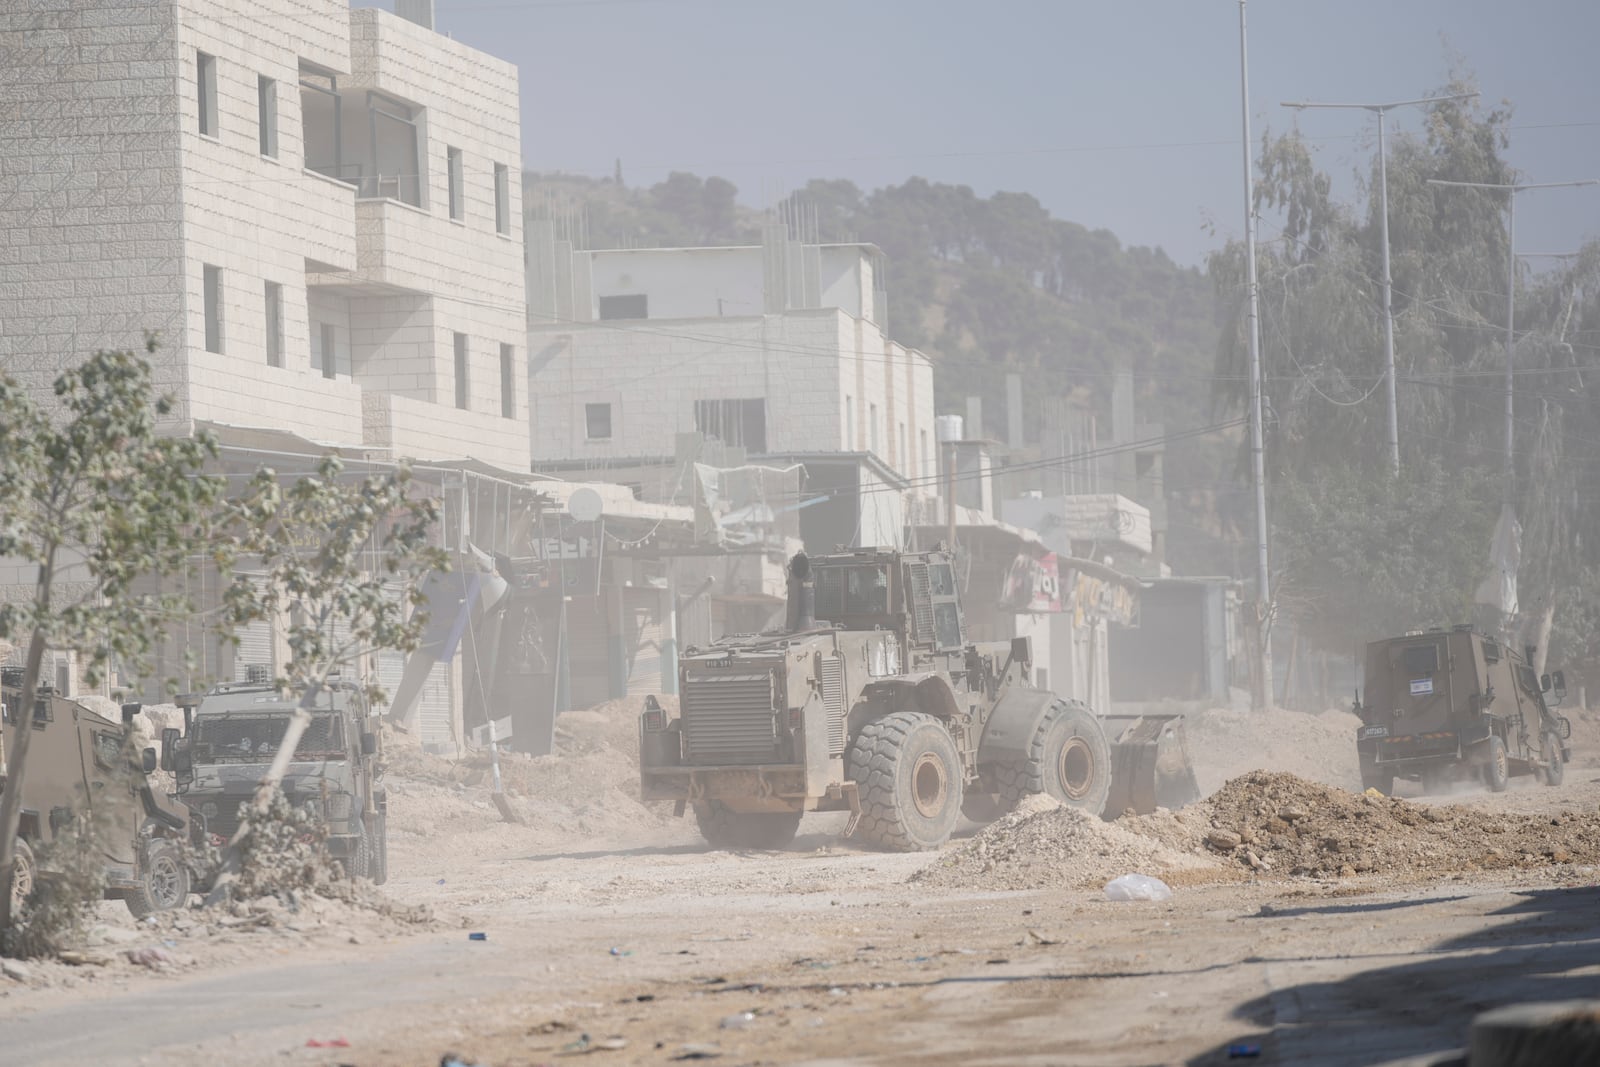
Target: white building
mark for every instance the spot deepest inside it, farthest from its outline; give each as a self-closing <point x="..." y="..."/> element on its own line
<point x="317" y="209"/>
<point x="776" y="350"/>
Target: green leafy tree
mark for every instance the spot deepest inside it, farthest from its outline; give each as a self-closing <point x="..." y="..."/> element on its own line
<point x="93" y="500"/>
<point x="342" y="560"/>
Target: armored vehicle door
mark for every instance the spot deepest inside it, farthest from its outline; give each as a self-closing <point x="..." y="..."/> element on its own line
<point x="1418" y="684"/>
<point x="102" y="749"/>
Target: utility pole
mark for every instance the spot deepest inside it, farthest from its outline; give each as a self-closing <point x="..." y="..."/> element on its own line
<point x="1383" y="229"/>
<point x="1262" y="696"/>
<point x="1511" y="189"/>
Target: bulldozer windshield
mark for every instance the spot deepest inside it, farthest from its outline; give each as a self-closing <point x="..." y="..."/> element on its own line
<point x="857" y="589"/>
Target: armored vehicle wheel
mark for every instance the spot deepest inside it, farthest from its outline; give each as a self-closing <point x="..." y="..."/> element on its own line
<point x="165" y="884"/>
<point x="1550" y="753"/>
<point x="22" y="876"/>
<point x="379" y="867"/>
<point x="909" y="774"/>
<point x="724" y="828"/>
<point x="1497" y="769"/>
<point x="359" y="865"/>
<point x="1068" y="759"/>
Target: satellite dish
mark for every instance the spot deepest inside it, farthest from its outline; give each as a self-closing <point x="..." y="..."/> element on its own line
<point x="585" y="505"/>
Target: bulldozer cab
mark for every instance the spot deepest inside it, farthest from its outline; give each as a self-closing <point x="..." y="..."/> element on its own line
<point x="913" y="594"/>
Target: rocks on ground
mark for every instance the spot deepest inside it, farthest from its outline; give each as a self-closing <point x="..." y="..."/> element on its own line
<point x="1278" y="824"/>
<point x="1044" y="845"/>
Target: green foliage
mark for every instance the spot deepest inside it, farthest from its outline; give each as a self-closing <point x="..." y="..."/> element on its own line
<point x="94" y="499"/>
<point x="1364" y="558"/>
<point x="1322" y="355"/>
<point x="92" y="486"/>
<point x="342" y="559"/>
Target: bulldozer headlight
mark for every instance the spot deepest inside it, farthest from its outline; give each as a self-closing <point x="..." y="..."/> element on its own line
<point x="654" y="720"/>
<point x="797" y="718"/>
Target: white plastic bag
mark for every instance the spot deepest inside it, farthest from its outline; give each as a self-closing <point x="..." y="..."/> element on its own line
<point x="1137" y="887"/>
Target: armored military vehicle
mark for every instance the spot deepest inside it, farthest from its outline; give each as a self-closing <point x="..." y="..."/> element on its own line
<point x="230" y="737"/>
<point x="81" y="766"/>
<point x="1442" y="705"/>
<point x="871" y="701"/>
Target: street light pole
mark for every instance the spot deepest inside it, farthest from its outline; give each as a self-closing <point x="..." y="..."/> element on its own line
<point x="1393" y="440"/>
<point x="1263" y="697"/>
<point x="1511" y="189"/>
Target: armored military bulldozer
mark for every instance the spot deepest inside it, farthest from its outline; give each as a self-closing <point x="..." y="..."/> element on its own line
<point x="1446" y="705"/>
<point x="873" y="701"/>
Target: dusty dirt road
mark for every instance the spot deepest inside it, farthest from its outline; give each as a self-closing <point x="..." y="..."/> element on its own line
<point x="625" y="944"/>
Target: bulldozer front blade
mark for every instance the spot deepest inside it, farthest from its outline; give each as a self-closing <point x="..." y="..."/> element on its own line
<point x="1150" y="765"/>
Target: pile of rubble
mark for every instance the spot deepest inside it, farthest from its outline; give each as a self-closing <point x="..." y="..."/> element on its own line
<point x="1278" y="824"/>
<point x="587" y="789"/>
<point x="1225" y="743"/>
<point x="1044" y="845"/>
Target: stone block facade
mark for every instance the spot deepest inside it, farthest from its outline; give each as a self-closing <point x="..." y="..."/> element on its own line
<point x="268" y="186"/>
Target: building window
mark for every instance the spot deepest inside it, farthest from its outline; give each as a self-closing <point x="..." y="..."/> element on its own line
<point x="461" y="372"/>
<point x="206" y="73"/>
<point x="508" y="382"/>
<point x="903" y="459"/>
<point x="872" y="428"/>
<point x="329" y="338"/>
<point x="274" y="324"/>
<point x="213" y="302"/>
<point x="458" y="207"/>
<point x="849" y="424"/>
<point x="502" y="198"/>
<point x="922" y="453"/>
<point x="321" y="123"/>
<point x="740" y="423"/>
<point x="625" y="306"/>
<point x="597" y="421"/>
<point x="267" y="108"/>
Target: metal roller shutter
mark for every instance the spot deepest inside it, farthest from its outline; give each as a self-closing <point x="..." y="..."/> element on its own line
<point x="255" y="643"/>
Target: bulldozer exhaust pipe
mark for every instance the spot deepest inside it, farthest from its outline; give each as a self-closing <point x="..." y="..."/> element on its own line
<point x="802" y="605"/>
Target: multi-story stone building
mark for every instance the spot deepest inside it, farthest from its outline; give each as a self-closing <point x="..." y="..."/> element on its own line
<point x="778" y="351"/>
<point x="316" y="208"/>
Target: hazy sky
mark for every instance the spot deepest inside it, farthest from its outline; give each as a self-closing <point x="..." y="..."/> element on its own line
<point x="1121" y="114"/>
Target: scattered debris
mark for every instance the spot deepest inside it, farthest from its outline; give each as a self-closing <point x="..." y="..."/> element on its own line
<point x="1137" y="887"/>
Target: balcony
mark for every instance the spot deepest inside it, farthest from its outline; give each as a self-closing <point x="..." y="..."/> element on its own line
<point x="421" y="430"/>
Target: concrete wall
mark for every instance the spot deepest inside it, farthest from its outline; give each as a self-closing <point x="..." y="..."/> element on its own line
<point x="652" y="375"/>
<point x="678" y="283"/>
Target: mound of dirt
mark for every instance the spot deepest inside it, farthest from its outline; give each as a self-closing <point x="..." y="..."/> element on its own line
<point x="1275" y="823"/>
<point x="588" y="788"/>
<point x="1043" y="845"/>
<point x="1224" y="744"/>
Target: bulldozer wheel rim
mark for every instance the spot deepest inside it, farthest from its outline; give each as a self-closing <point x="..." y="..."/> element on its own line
<point x="929" y="785"/>
<point x="1075" y="768"/>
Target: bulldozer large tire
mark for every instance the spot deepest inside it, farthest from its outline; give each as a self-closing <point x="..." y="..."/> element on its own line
<point x="724" y="828"/>
<point x="1068" y="758"/>
<point x="910" y="779"/>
